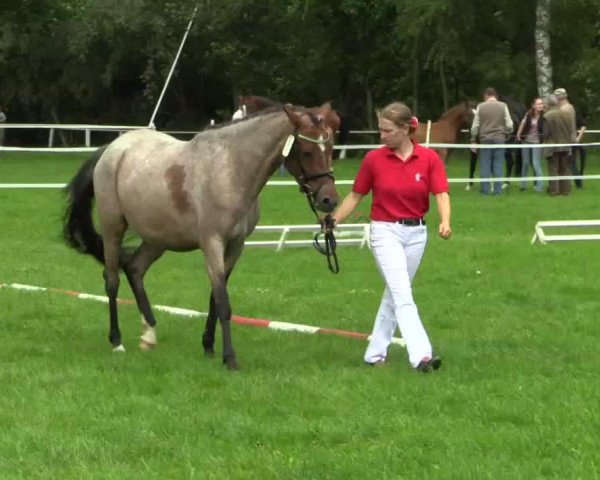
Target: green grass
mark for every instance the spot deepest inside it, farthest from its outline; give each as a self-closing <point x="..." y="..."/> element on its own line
<point x="517" y="326"/>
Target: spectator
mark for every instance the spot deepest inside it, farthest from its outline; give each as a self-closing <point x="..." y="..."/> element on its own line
<point x="563" y="102"/>
<point x="492" y="123"/>
<point x="530" y="132"/>
<point x="559" y="128"/>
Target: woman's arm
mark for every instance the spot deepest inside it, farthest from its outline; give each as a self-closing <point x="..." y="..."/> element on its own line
<point x="443" y="206"/>
<point x="347" y="206"/>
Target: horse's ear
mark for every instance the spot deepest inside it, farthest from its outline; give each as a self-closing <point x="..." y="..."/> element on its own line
<point x="292" y="115"/>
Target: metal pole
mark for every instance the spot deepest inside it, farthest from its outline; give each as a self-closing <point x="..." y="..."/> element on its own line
<point x="162" y="94"/>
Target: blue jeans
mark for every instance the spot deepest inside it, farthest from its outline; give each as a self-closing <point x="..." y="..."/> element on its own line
<point x="492" y="161"/>
<point x="535" y="155"/>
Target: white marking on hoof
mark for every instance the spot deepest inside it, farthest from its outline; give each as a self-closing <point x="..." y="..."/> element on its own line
<point x="119" y="348"/>
<point x="148" y="337"/>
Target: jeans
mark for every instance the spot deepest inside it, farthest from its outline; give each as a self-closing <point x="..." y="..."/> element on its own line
<point x="535" y="155"/>
<point x="492" y="161"/>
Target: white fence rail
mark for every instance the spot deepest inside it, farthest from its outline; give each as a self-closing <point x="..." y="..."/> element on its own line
<point x="88" y="129"/>
<point x="356" y="234"/>
<point x="541" y="236"/>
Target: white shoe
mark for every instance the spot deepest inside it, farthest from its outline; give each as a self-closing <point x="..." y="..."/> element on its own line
<point x="505" y="186"/>
<point x="468" y="187"/>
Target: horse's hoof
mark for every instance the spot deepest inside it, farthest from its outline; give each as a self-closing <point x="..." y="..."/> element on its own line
<point x="119" y="348"/>
<point x="231" y="363"/>
<point x="146" y="346"/>
<point x="209" y="353"/>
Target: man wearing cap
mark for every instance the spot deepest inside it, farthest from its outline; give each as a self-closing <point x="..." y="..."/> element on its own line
<point x="563" y="102"/>
<point x="559" y="128"/>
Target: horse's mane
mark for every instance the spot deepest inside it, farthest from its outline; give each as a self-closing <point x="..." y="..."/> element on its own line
<point x="266" y="111"/>
<point x="258" y="99"/>
<point x="455" y="110"/>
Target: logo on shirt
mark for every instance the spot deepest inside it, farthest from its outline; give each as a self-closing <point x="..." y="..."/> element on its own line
<point x="417" y="177"/>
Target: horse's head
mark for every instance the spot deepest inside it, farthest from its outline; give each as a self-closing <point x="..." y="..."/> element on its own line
<point x="310" y="158"/>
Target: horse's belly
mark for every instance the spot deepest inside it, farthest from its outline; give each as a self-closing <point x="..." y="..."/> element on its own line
<point x="158" y="226"/>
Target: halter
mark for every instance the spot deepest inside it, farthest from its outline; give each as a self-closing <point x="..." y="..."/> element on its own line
<point x="328" y="224"/>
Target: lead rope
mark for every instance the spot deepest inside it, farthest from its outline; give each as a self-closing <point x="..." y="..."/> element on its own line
<point x="330" y="244"/>
<point x="328" y="222"/>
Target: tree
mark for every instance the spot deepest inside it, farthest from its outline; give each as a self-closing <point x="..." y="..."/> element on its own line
<point x="542" y="48"/>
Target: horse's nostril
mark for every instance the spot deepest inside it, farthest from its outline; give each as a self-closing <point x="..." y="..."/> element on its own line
<point x="329" y="203"/>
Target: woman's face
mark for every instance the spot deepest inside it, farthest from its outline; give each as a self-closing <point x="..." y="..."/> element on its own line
<point x="538" y="105"/>
<point x="391" y="134"/>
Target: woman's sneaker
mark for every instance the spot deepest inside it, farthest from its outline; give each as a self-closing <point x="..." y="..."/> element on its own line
<point x="428" y="364"/>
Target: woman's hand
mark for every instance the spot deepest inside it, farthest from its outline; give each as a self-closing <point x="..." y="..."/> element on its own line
<point x="445" y="231"/>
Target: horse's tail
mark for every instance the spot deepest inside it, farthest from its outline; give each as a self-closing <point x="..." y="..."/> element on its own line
<point x="78" y="225"/>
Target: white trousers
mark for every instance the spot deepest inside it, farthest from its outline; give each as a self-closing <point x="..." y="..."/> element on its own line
<point x="398" y="250"/>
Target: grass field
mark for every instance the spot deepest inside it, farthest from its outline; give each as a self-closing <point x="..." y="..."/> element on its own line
<point x="516" y="324"/>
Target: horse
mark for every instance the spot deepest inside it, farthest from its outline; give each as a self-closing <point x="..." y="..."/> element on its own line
<point x="447" y="128"/>
<point x="187" y="195"/>
<point x="249" y="104"/>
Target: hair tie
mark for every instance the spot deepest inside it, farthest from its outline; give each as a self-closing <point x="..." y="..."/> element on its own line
<point x="414" y="122"/>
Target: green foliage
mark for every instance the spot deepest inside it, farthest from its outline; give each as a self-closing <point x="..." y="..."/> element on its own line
<point x="106" y="60"/>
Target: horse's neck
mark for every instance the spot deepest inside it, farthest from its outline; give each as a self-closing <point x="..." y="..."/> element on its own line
<point x="455" y="119"/>
<point x="258" y="143"/>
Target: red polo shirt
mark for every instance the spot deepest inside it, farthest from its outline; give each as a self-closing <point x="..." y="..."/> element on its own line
<point x="400" y="189"/>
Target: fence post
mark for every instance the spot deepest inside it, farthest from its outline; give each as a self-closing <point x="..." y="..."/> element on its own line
<point x="50" y="138"/>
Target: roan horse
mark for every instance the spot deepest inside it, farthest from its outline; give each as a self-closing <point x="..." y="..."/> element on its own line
<point x="447" y="128"/>
<point x="249" y="104"/>
<point x="186" y="195"/>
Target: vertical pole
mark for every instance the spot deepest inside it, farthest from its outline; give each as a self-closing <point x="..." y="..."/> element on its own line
<point x="162" y="94"/>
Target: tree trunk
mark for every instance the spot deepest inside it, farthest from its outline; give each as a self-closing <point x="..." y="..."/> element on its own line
<point x="543" y="63"/>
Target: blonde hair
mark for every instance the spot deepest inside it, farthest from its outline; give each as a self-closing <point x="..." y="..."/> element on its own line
<point x="399" y="114"/>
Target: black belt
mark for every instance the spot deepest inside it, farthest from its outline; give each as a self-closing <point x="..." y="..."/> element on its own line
<point x="411" y="222"/>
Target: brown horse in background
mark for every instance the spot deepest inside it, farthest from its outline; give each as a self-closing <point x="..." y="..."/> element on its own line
<point x="447" y="128"/>
<point x="186" y="195"/>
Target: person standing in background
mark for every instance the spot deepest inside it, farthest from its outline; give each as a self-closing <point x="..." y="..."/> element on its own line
<point x="579" y="124"/>
<point x="530" y="132"/>
<point x="559" y="128"/>
<point x="492" y="123"/>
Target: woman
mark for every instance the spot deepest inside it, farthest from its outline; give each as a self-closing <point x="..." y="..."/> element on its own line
<point x="530" y="132"/>
<point x="401" y="175"/>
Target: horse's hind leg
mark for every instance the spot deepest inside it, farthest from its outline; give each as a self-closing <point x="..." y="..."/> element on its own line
<point x="208" y="337"/>
<point x="232" y="254"/>
<point x="113" y="236"/>
<point x="135" y="268"/>
<point x="219" y="269"/>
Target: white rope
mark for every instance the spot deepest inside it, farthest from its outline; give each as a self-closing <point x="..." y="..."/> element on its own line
<point x="151" y="123"/>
